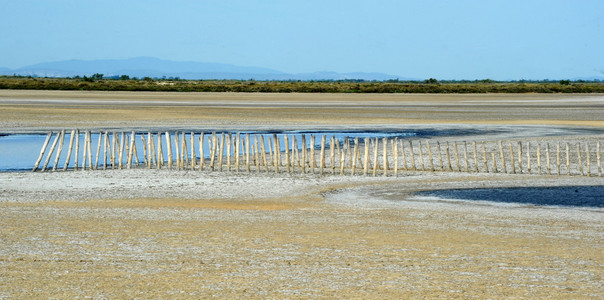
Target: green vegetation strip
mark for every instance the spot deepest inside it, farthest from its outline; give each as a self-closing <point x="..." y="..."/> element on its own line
<point x="347" y="86"/>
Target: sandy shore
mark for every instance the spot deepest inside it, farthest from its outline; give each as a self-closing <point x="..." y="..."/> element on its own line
<point x="188" y="234"/>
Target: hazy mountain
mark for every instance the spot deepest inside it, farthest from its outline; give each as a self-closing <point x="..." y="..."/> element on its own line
<point x="157" y="68"/>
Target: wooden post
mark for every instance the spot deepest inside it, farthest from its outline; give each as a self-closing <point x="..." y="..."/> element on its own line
<point x="121" y="150"/>
<point x="193" y="158"/>
<point x="332" y="153"/>
<point x="184" y="153"/>
<point x="579" y="158"/>
<point x="505" y="170"/>
<point x="528" y="157"/>
<point x="160" y="151"/>
<point x="152" y="151"/>
<point x="512" y="158"/>
<point x="130" y="150"/>
<point x="61" y="140"/>
<point x="44" y="150"/>
<point x="520" y="157"/>
<point x="77" y="150"/>
<point x="494" y="162"/>
<point x="412" y="156"/>
<point x="263" y="152"/>
<point x="312" y="153"/>
<point x="106" y="150"/>
<point x="539" y="157"/>
<point x="222" y="140"/>
<point x="567" y="160"/>
<point x="247" y="152"/>
<point x="202" y="156"/>
<point x="465" y="156"/>
<point x="430" y="156"/>
<point x="366" y="158"/>
<point x="169" y="146"/>
<point x="421" y="156"/>
<point x="275" y="155"/>
<point x="304" y="155"/>
<point x="385" y="155"/>
<point x="598" y="158"/>
<point x="475" y="158"/>
<point x="549" y="169"/>
<point x="176" y="149"/>
<point x="52" y="149"/>
<point x="587" y="159"/>
<point x="456" y="156"/>
<point x="558" y="158"/>
<point x="98" y="152"/>
<point x="375" y="156"/>
<point x="146" y="149"/>
<point x="257" y="155"/>
<point x="297" y="156"/>
<point x="89" y="150"/>
<point x="85" y="149"/>
<point x="322" y="158"/>
<point x="440" y="157"/>
<point x="70" y="148"/>
<point x="343" y="156"/>
<point x="403" y="155"/>
<point x="484" y="158"/>
<point x="395" y="153"/>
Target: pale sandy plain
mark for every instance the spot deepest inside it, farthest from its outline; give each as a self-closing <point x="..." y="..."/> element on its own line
<point x="189" y="234"/>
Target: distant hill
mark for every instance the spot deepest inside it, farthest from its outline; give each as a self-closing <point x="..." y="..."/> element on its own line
<point x="158" y="68"/>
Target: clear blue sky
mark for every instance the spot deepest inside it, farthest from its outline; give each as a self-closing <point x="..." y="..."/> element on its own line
<point x="472" y="39"/>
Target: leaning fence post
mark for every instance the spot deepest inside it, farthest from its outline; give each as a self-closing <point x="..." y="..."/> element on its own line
<point x="430" y="156"/>
<point x="421" y="156"/>
<point x="44" y="149"/>
<point x="579" y="158"/>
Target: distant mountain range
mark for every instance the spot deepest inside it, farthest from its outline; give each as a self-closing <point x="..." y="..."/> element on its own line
<point x="157" y="68"/>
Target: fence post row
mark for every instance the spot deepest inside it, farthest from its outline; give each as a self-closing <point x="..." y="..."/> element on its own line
<point x="120" y="151"/>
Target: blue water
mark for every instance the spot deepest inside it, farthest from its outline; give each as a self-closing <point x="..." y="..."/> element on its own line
<point x="20" y="151"/>
<point x="581" y="196"/>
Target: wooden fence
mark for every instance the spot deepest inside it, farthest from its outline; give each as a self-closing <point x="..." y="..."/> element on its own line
<point x="318" y="154"/>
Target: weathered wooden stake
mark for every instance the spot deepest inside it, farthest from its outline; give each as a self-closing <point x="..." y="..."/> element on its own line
<point x="430" y="156"/>
<point x="343" y="156"/>
<point x="130" y="150"/>
<point x="395" y="153"/>
<point x="385" y="155"/>
<point x="475" y="157"/>
<point x="153" y="150"/>
<point x="421" y="156"/>
<point x="121" y="149"/>
<point x="89" y="145"/>
<point x="106" y="149"/>
<point x="440" y="157"/>
<point x="484" y="158"/>
<point x="85" y="149"/>
<point x="184" y="152"/>
<point x="412" y="156"/>
<point x="160" y="151"/>
<point x="263" y="152"/>
<point x="52" y="149"/>
<point x="587" y="159"/>
<point x="549" y="169"/>
<point x="77" y="150"/>
<point x="512" y="159"/>
<point x="176" y="149"/>
<point x="257" y="153"/>
<point x="520" y="158"/>
<point x="193" y="158"/>
<point x="579" y="158"/>
<point x="312" y="154"/>
<point x="375" y="157"/>
<point x="61" y="140"/>
<point x="169" y="146"/>
<point x="332" y="153"/>
<point x="403" y="155"/>
<point x="504" y="168"/>
<point x="247" y="152"/>
<point x="465" y="156"/>
<point x="598" y="158"/>
<point x="322" y="158"/>
<point x="494" y="162"/>
<point x="44" y="150"/>
<point x="70" y="148"/>
<point x="98" y="152"/>
<point x="304" y="153"/>
<point x="539" y="157"/>
<point x="528" y="157"/>
<point x="202" y="157"/>
<point x="276" y="150"/>
<point x="558" y="158"/>
<point x="456" y="156"/>
<point x="567" y="159"/>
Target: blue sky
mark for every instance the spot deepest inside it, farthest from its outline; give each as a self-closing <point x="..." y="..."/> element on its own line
<point x="472" y="39"/>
